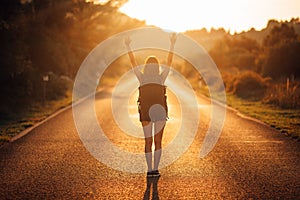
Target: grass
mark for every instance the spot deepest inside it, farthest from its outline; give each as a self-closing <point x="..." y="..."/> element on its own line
<point x="274" y="103"/>
<point x="16" y="123"/>
<point x="287" y="121"/>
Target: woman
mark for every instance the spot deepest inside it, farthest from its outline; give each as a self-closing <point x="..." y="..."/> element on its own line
<point x="152" y="102"/>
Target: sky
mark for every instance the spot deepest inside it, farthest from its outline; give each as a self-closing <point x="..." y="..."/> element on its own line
<point x="233" y="15"/>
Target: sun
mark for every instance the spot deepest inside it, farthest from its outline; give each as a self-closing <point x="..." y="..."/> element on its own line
<point x="233" y="15"/>
<point x="185" y="15"/>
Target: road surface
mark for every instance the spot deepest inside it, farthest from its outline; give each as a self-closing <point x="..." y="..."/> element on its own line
<point x="250" y="161"/>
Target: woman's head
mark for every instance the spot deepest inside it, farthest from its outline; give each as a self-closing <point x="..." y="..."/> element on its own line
<point x="151" y="66"/>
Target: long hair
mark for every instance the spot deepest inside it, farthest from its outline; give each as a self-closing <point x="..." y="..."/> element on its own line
<point x="151" y="66"/>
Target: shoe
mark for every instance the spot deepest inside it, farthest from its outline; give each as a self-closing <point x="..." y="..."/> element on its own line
<point x="155" y="196"/>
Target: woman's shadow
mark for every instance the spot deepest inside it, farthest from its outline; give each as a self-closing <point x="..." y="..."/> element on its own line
<point x="151" y="181"/>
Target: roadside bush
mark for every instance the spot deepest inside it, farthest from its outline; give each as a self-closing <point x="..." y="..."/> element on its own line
<point x="250" y="85"/>
<point x="229" y="80"/>
<point x="284" y="95"/>
<point x="57" y="87"/>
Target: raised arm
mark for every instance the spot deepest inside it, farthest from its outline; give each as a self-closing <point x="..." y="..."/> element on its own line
<point x="173" y="38"/>
<point x="165" y="73"/>
<point x="137" y="72"/>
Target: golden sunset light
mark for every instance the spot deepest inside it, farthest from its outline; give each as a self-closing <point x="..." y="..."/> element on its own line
<point x="233" y="15"/>
<point x="150" y="99"/>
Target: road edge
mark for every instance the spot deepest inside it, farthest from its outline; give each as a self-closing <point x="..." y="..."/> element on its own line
<point x="238" y="113"/>
<point x="59" y="111"/>
<point x="28" y="130"/>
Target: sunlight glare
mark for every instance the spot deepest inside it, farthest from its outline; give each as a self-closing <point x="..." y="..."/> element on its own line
<point x="102" y="2"/>
<point x="234" y="15"/>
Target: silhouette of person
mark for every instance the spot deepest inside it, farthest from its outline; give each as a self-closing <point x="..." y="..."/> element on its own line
<point x="152" y="102"/>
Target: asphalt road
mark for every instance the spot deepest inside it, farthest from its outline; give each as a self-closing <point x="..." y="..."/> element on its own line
<point x="249" y="161"/>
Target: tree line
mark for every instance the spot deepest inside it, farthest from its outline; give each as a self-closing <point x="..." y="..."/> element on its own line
<point x="46" y="40"/>
<point x="267" y="69"/>
<point x="275" y="57"/>
<point x="261" y="65"/>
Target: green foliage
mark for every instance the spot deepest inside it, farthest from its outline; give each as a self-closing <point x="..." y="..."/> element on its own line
<point x="235" y="52"/>
<point x="285" y="120"/>
<point x="282" y="50"/>
<point x="277" y="57"/>
<point x="283" y="61"/>
<point x="279" y="35"/>
<point x="249" y="85"/>
<point x="282" y="53"/>
<point x="49" y="37"/>
<point x="56" y="87"/>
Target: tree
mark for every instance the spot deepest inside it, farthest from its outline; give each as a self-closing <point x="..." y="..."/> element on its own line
<point x="282" y="49"/>
<point x="280" y="35"/>
<point x="235" y="52"/>
<point x="55" y="40"/>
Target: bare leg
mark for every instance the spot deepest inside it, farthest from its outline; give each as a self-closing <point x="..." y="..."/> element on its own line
<point x="147" y="127"/>
<point x="159" y="129"/>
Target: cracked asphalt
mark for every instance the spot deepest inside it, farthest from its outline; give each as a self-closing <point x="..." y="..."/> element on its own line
<point x="249" y="161"/>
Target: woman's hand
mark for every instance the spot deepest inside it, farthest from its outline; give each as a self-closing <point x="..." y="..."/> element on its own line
<point x="127" y="41"/>
<point x="173" y="38"/>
